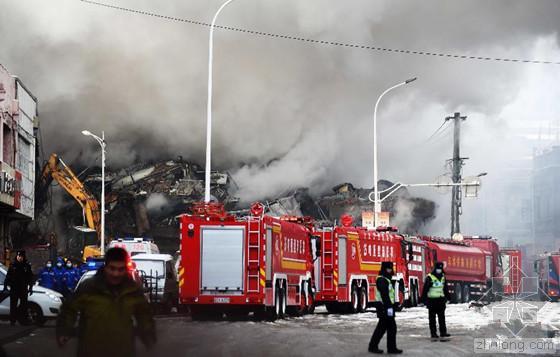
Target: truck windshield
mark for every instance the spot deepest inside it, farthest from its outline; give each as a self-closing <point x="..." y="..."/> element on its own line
<point x="151" y="268"/>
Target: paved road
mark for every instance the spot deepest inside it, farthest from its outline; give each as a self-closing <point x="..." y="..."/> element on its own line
<point x="320" y="334"/>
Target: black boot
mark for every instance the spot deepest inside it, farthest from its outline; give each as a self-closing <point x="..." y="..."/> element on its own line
<point x="434" y="335"/>
<point x="374" y="350"/>
<point x="445" y="335"/>
<point x="395" y="351"/>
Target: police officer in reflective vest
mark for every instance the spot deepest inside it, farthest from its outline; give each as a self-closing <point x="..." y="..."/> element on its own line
<point x="385" y="307"/>
<point x="435" y="295"/>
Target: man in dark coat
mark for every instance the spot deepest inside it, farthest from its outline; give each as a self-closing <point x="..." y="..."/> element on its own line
<point x="111" y="309"/>
<point x="435" y="295"/>
<point x="385" y="307"/>
<point x="19" y="280"/>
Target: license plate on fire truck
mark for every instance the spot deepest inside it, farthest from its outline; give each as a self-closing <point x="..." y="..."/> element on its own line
<point x="221" y="300"/>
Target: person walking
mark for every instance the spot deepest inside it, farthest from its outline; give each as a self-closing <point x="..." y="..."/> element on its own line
<point x="106" y="305"/>
<point x="435" y="295"/>
<point x="19" y="280"/>
<point x="47" y="278"/>
<point x="385" y="307"/>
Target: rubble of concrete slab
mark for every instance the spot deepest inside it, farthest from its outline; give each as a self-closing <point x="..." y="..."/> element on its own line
<point x="408" y="213"/>
<point x="145" y="200"/>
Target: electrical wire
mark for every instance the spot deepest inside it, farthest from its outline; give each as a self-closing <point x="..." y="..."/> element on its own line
<point x="437" y="130"/>
<point x="324" y="42"/>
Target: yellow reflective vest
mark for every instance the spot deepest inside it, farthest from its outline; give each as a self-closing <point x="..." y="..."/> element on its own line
<point x="391" y="292"/>
<point x="436" y="290"/>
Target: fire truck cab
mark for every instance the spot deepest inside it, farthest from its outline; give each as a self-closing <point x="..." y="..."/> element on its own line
<point x="236" y="265"/>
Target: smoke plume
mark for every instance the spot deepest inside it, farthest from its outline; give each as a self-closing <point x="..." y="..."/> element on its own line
<point x="289" y="114"/>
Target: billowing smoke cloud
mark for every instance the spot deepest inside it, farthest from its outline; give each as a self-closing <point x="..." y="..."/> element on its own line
<point x="287" y="114"/>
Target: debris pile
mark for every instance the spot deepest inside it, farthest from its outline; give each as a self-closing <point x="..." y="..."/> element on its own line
<point x="144" y="201"/>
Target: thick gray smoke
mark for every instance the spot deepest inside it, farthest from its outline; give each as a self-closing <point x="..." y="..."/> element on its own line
<point x="288" y="114"/>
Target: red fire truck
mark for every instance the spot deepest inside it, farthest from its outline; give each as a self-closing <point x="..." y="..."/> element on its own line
<point x="349" y="265"/>
<point x="468" y="269"/>
<point x="236" y="265"/>
<point x="547" y="267"/>
<point x="494" y="268"/>
<point x="511" y="261"/>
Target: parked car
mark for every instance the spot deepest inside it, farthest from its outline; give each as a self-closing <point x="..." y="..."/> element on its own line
<point x="43" y="304"/>
<point x="160" y="279"/>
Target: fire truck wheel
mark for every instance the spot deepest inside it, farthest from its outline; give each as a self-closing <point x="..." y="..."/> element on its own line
<point x="354" y="299"/>
<point x="542" y="296"/>
<point x="363" y="299"/>
<point x="284" y="301"/>
<point x="413" y="294"/>
<point x="466" y="293"/>
<point x="277" y="313"/>
<point x="280" y="302"/>
<point x="311" y="306"/>
<point x="458" y="292"/>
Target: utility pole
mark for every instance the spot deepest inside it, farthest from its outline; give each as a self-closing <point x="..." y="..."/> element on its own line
<point x="456" y="168"/>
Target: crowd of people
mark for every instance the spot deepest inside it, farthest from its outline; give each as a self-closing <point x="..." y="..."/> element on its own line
<point x="62" y="276"/>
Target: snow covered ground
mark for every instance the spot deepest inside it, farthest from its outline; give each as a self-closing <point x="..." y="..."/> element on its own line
<point x="457" y="316"/>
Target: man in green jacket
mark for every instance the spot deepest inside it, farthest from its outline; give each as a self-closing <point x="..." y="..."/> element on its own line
<point x="107" y="305"/>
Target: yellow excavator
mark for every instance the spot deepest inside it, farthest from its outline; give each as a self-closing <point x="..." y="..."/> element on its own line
<point x="56" y="169"/>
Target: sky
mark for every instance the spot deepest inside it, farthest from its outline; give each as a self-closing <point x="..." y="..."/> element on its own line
<point x="291" y="113"/>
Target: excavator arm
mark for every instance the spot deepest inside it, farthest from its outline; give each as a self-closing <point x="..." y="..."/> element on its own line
<point x="56" y="169"/>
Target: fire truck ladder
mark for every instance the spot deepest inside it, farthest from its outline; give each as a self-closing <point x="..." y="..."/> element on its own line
<point x="328" y="259"/>
<point x="253" y="254"/>
<point x="515" y="274"/>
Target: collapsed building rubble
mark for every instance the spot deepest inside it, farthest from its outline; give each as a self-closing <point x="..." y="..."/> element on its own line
<point x="144" y="200"/>
<point x="407" y="212"/>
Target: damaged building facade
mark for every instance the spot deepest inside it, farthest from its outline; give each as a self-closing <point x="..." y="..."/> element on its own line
<point x="18" y="157"/>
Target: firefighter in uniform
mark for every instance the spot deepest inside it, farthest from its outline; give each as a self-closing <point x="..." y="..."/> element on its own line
<point x="435" y="295"/>
<point x="385" y="308"/>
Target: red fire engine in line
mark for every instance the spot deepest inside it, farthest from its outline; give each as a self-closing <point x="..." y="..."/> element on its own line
<point x="349" y="263"/>
<point x="468" y="268"/>
<point x="237" y="265"/>
<point x="275" y="266"/>
<point x="511" y="261"/>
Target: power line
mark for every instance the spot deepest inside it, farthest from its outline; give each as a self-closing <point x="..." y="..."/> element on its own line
<point x="437" y="130"/>
<point x="323" y="42"/>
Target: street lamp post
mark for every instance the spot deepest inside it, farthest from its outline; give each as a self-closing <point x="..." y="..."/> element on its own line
<point x="377" y="201"/>
<point x="209" y="106"/>
<point x="101" y="141"/>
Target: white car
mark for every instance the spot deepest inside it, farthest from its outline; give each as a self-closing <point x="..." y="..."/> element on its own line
<point x="43" y="304"/>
